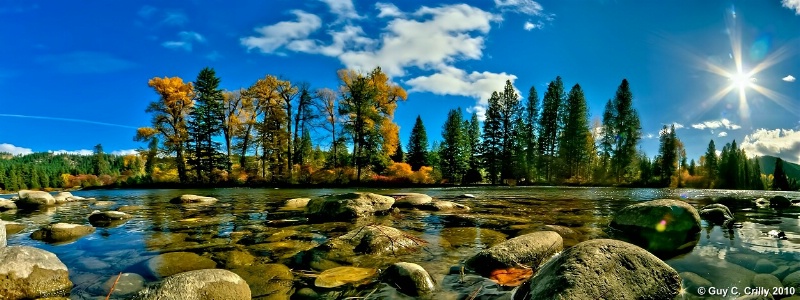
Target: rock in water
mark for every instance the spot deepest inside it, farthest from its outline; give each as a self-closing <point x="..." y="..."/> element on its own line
<point x="779" y="202"/>
<point x="168" y="264"/>
<point x="61" y="232"/>
<point x="411" y="279"/>
<point x="31" y="273"/>
<point x="34" y="199"/>
<point x="108" y="218"/>
<point x="526" y="250"/>
<point x="661" y="226"/>
<point x="443" y="206"/>
<point x="211" y="284"/>
<point x="128" y="284"/>
<point x="3" y="241"/>
<point x="602" y="269"/>
<point x="13" y="227"/>
<point x="410" y="199"/>
<point x="6" y="204"/>
<point x="348" y="206"/>
<point x="273" y="281"/>
<point x="184" y="199"/>
<point x="716" y="213"/>
<point x="296" y="203"/>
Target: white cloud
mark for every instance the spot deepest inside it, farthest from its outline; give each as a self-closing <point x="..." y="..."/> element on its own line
<point x="175" y="18"/>
<point x="388" y="10"/>
<point x="715" y="124"/>
<point x="722" y="134"/>
<point x="83" y="152"/>
<point x="530" y="26"/>
<point x="185" y="41"/>
<point x="14" y="150"/>
<point x="124" y="152"/>
<point x="784" y="143"/>
<point x="677" y="125"/>
<point x="275" y="36"/>
<point x="528" y="7"/>
<point x="792" y="4"/>
<point x="454" y="81"/>
<point x="344" y="9"/>
<point x="789" y="78"/>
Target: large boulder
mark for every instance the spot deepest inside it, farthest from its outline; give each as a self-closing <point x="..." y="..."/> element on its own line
<point x="6" y="204"/>
<point x="63" y="197"/>
<point x="35" y="199"/>
<point x="172" y="263"/>
<point x="125" y="285"/>
<point x="792" y="280"/>
<point x="61" y="232"/>
<point x="376" y="240"/>
<point x="526" y="250"/>
<point x="348" y="206"/>
<point x="267" y="281"/>
<point x="409" y="278"/>
<point x="410" y="199"/>
<point x="663" y="226"/>
<point x="779" y="202"/>
<point x="31" y="273"/>
<point x="296" y="203"/>
<point x="211" y="284"/>
<point x="602" y="269"/>
<point x="443" y="206"/>
<point x="184" y="199"/>
<point x="716" y="213"/>
<point x="108" y="218"/>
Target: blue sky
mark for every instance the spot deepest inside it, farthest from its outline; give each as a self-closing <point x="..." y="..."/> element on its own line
<point x="73" y="76"/>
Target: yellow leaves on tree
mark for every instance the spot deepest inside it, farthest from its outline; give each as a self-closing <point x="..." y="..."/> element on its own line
<point x="423" y="175"/>
<point x="391" y="136"/>
<point x="399" y="170"/>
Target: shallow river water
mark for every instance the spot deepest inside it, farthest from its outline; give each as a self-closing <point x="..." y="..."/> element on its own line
<point x="498" y="213"/>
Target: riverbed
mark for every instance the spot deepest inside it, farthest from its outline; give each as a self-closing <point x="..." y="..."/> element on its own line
<point x="498" y="213"/>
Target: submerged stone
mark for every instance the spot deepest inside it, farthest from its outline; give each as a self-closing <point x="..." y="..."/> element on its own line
<point x="665" y="227"/>
<point x="409" y="278"/>
<point x="528" y="250"/>
<point x="61" y="232"/>
<point x="168" y="264"/>
<point x="210" y="284"/>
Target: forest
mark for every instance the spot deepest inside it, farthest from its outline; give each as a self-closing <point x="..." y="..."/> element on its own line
<point x="278" y="132"/>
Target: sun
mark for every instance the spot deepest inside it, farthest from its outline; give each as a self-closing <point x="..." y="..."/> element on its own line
<point x="741" y="80"/>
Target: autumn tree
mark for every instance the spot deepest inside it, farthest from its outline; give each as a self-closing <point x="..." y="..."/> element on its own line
<point x="232" y="119"/>
<point x="170" y="114"/>
<point x="327" y="108"/>
<point x="417" y="146"/>
<point x="205" y="123"/>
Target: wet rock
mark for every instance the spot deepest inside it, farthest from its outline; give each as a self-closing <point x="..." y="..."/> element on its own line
<point x="664" y="227"/>
<point x="765" y="266"/>
<point x="602" y="269"/>
<point x="184" y="199"/>
<point x="410" y="199"/>
<point x="443" y="206"/>
<point x="34" y="199"/>
<point x="296" y="203"/>
<point x="472" y="236"/>
<point x="570" y="236"/>
<point x="61" y="232"/>
<point x="103" y="203"/>
<point x="108" y="218"/>
<point x="31" y="273"/>
<point x="348" y="206"/>
<point x="64" y="197"/>
<point x="128" y="284"/>
<point x="168" y="264"/>
<point x="130" y="208"/>
<point x="792" y="280"/>
<point x="526" y="250"/>
<point x="761" y="202"/>
<point x="305" y="294"/>
<point x="691" y="282"/>
<point x="268" y="281"/>
<point x="779" y="202"/>
<point x="376" y="240"/>
<point x="6" y="204"/>
<point x="716" y="213"/>
<point x="781" y="272"/>
<point x="211" y="284"/>
<point x="767" y="281"/>
<point x="236" y="259"/>
<point x="411" y="279"/>
<point x="92" y="263"/>
<point x="14" y="227"/>
<point x="720" y="273"/>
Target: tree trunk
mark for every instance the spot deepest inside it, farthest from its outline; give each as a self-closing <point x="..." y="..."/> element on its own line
<point x="180" y="164"/>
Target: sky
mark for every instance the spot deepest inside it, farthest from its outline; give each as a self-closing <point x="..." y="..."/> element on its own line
<point x="73" y="76"/>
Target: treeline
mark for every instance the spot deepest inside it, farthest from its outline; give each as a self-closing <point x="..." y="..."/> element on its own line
<point x="278" y="132"/>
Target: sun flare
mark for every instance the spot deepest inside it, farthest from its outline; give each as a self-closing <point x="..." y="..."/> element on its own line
<point x="741" y="80"/>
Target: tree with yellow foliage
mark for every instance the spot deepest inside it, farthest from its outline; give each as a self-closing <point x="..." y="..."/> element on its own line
<point x="170" y="113"/>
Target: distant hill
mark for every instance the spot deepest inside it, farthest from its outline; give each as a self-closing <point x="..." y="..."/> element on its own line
<point x="768" y="167"/>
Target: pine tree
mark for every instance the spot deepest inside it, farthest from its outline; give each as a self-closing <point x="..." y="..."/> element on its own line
<point x="608" y="138"/>
<point x="627" y="131"/>
<point x="549" y="127"/>
<point x="692" y="167"/>
<point x="492" y="139"/>
<point x="418" y="146"/>
<point x="711" y="165"/>
<point x="509" y="113"/>
<point x="572" y="144"/>
<point x="668" y="154"/>
<point x="454" y="157"/>
<point x="528" y="136"/>
<point x="205" y="124"/>
<point x="398" y="155"/>
<point x="779" y="182"/>
<point x="99" y="161"/>
<point x="473" y="141"/>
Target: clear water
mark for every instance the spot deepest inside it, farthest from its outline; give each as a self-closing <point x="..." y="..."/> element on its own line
<point x="498" y="212"/>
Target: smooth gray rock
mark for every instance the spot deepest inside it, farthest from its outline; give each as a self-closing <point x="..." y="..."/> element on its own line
<point x="128" y="284"/>
<point x="172" y="263"/>
<point x="410" y="199"/>
<point x="443" y="206"/>
<point x="296" y="203"/>
<point x="348" y="206"/>
<point x="188" y="198"/>
<point x="664" y="227"/>
<point x="691" y="282"/>
<point x="767" y="281"/>
<point x="108" y="218"/>
<point x="6" y="204"/>
<point x="61" y="232"/>
<point x="31" y="273"/>
<point x="526" y="250"/>
<point x="34" y="199"/>
<point x="210" y="284"/>
<point x="409" y="278"/>
<point x="716" y="213"/>
<point x="792" y="280"/>
<point x="267" y="281"/>
<point x="602" y="269"/>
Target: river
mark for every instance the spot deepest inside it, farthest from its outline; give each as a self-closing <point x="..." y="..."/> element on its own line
<point x="497" y="213"/>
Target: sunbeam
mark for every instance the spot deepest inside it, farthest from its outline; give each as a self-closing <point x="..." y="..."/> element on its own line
<point x="66" y="120"/>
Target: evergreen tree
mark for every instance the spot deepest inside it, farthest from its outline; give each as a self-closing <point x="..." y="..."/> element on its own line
<point x="668" y="153"/>
<point x="608" y="138"/>
<point x="473" y="140"/>
<point x="755" y="175"/>
<point x="492" y="139"/>
<point x="692" y="167"/>
<point x="547" y="141"/>
<point x="398" y="155"/>
<point x="205" y="124"/>
<point x="509" y="113"/>
<point x="418" y="146"/>
<point x="627" y="131"/>
<point x="454" y="157"/>
<point x="99" y="161"/>
<point x="528" y="133"/>
<point x="572" y="145"/>
<point x="779" y="182"/>
<point x="711" y="165"/>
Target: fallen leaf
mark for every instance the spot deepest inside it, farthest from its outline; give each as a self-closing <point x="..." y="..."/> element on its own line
<point x="339" y="276"/>
<point x="511" y="276"/>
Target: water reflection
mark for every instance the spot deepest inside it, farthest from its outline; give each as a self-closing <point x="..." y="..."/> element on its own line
<point x="252" y="221"/>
